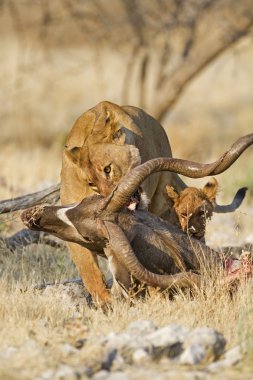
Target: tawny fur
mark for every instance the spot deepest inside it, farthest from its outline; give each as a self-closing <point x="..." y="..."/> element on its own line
<point x="192" y="207"/>
<point x="103" y="145"/>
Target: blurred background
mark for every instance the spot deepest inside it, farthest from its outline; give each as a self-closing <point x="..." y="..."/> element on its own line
<point x="187" y="63"/>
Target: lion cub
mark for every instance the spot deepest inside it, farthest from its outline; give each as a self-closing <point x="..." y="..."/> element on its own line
<point x="192" y="207"/>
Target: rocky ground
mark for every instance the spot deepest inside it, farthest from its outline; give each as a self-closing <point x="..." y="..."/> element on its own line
<point x="144" y="351"/>
<point x="141" y="351"/>
<point x="188" y="340"/>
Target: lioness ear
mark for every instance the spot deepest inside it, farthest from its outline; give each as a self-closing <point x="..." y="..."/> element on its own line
<point x="81" y="130"/>
<point x="113" y="124"/>
<point x="210" y="189"/>
<point x="73" y="154"/>
<point x="119" y="137"/>
<point x="170" y="193"/>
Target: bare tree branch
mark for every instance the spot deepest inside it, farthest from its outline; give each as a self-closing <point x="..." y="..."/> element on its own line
<point x="188" y="71"/>
<point x="128" y="73"/>
<point x="170" y="42"/>
<point x="49" y="195"/>
<point x="217" y="26"/>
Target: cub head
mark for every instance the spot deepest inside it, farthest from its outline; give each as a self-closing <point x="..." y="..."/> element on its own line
<point x="192" y="207"/>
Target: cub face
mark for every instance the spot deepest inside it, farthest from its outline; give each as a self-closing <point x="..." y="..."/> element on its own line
<point x="192" y="207"/>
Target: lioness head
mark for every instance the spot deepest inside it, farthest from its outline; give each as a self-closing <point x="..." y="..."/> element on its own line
<point x="192" y="207"/>
<point x="101" y="147"/>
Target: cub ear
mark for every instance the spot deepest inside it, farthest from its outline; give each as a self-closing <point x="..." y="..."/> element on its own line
<point x="170" y="193"/>
<point x="210" y="189"/>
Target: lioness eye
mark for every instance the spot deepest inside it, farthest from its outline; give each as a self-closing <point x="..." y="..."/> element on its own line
<point x="184" y="215"/>
<point x="107" y="169"/>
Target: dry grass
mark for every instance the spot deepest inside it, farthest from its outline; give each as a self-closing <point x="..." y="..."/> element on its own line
<point x="35" y="325"/>
<point x="39" y="106"/>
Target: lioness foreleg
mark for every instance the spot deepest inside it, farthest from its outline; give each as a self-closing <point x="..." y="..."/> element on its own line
<point x="87" y="265"/>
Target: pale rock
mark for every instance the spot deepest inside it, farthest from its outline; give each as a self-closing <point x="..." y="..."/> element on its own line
<point x="140" y="356"/>
<point x="172" y="374"/>
<point x="65" y="372"/>
<point x="138" y="345"/>
<point x="202" y="345"/>
<point x="194" y="354"/>
<point x="118" y="363"/>
<point x="141" y="327"/>
<point x="62" y="373"/>
<point x="101" y="375"/>
<point x="117" y="341"/>
<point x="231" y="357"/>
<point x="8" y="353"/>
<point x="167" y="336"/>
<point x="106" y="375"/>
<point x="48" y="375"/>
<point x="167" y="341"/>
<point x="125" y="342"/>
<point x="67" y="349"/>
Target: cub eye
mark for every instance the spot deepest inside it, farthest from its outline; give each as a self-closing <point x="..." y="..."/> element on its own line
<point x="107" y="169"/>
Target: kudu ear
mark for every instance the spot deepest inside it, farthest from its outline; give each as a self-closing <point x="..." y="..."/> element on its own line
<point x="210" y="189"/>
<point x="170" y="193"/>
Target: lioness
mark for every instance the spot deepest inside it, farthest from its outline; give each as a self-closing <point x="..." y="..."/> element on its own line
<point x="104" y="144"/>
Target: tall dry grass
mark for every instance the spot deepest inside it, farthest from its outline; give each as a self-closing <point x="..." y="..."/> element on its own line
<point x="36" y="325"/>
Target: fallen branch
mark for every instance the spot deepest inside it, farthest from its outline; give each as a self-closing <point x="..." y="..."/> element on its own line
<point x="26" y="237"/>
<point x="50" y="195"/>
<point x="44" y="285"/>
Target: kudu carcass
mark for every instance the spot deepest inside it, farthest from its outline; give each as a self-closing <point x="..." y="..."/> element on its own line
<point x="104" y="144"/>
<point x="137" y="243"/>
